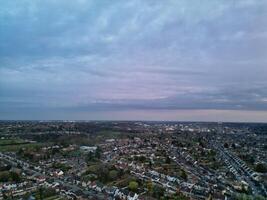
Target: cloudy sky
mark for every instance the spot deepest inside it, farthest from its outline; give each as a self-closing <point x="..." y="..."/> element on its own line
<point x="148" y="59"/>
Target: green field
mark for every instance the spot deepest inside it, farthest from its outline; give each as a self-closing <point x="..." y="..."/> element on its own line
<point x="108" y="134"/>
<point x="11" y="141"/>
<point x="56" y="197"/>
<point x="15" y="144"/>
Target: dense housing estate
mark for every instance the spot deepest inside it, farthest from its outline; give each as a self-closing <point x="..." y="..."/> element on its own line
<point x="132" y="160"/>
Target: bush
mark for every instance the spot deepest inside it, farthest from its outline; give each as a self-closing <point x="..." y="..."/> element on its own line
<point x="133" y="185"/>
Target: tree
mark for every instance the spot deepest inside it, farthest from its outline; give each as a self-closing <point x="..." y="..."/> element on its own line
<point x="226" y="145"/>
<point x="149" y="186"/>
<point x="48" y="192"/>
<point x="158" y="191"/>
<point x="142" y="158"/>
<point x="14" y="176"/>
<point x="98" y="153"/>
<point x="133" y="185"/>
<point x="179" y="196"/>
<point x="92" y="169"/>
<point x="210" y="197"/>
<point x="183" y="174"/>
<point x="5" y="195"/>
<point x="113" y="174"/>
<point x="168" y="160"/>
<point x="90" y="156"/>
<point x="102" y="173"/>
<point x="150" y="164"/>
<point x="41" y="192"/>
<point x="4" y="176"/>
<point x="20" y="151"/>
<point x="261" y="168"/>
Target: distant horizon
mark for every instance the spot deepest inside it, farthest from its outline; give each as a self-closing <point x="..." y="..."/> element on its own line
<point x="160" y="121"/>
<point x="215" y="116"/>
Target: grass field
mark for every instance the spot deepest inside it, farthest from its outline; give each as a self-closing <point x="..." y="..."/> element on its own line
<point x="15" y="144"/>
<point x="11" y="141"/>
<point x="103" y="135"/>
<point x="56" y="197"/>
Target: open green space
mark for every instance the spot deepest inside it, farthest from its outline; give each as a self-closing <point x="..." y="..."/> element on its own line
<point x="16" y="147"/>
<point x="12" y="141"/>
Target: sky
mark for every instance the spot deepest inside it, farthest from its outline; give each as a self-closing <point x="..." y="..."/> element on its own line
<point x="133" y="60"/>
